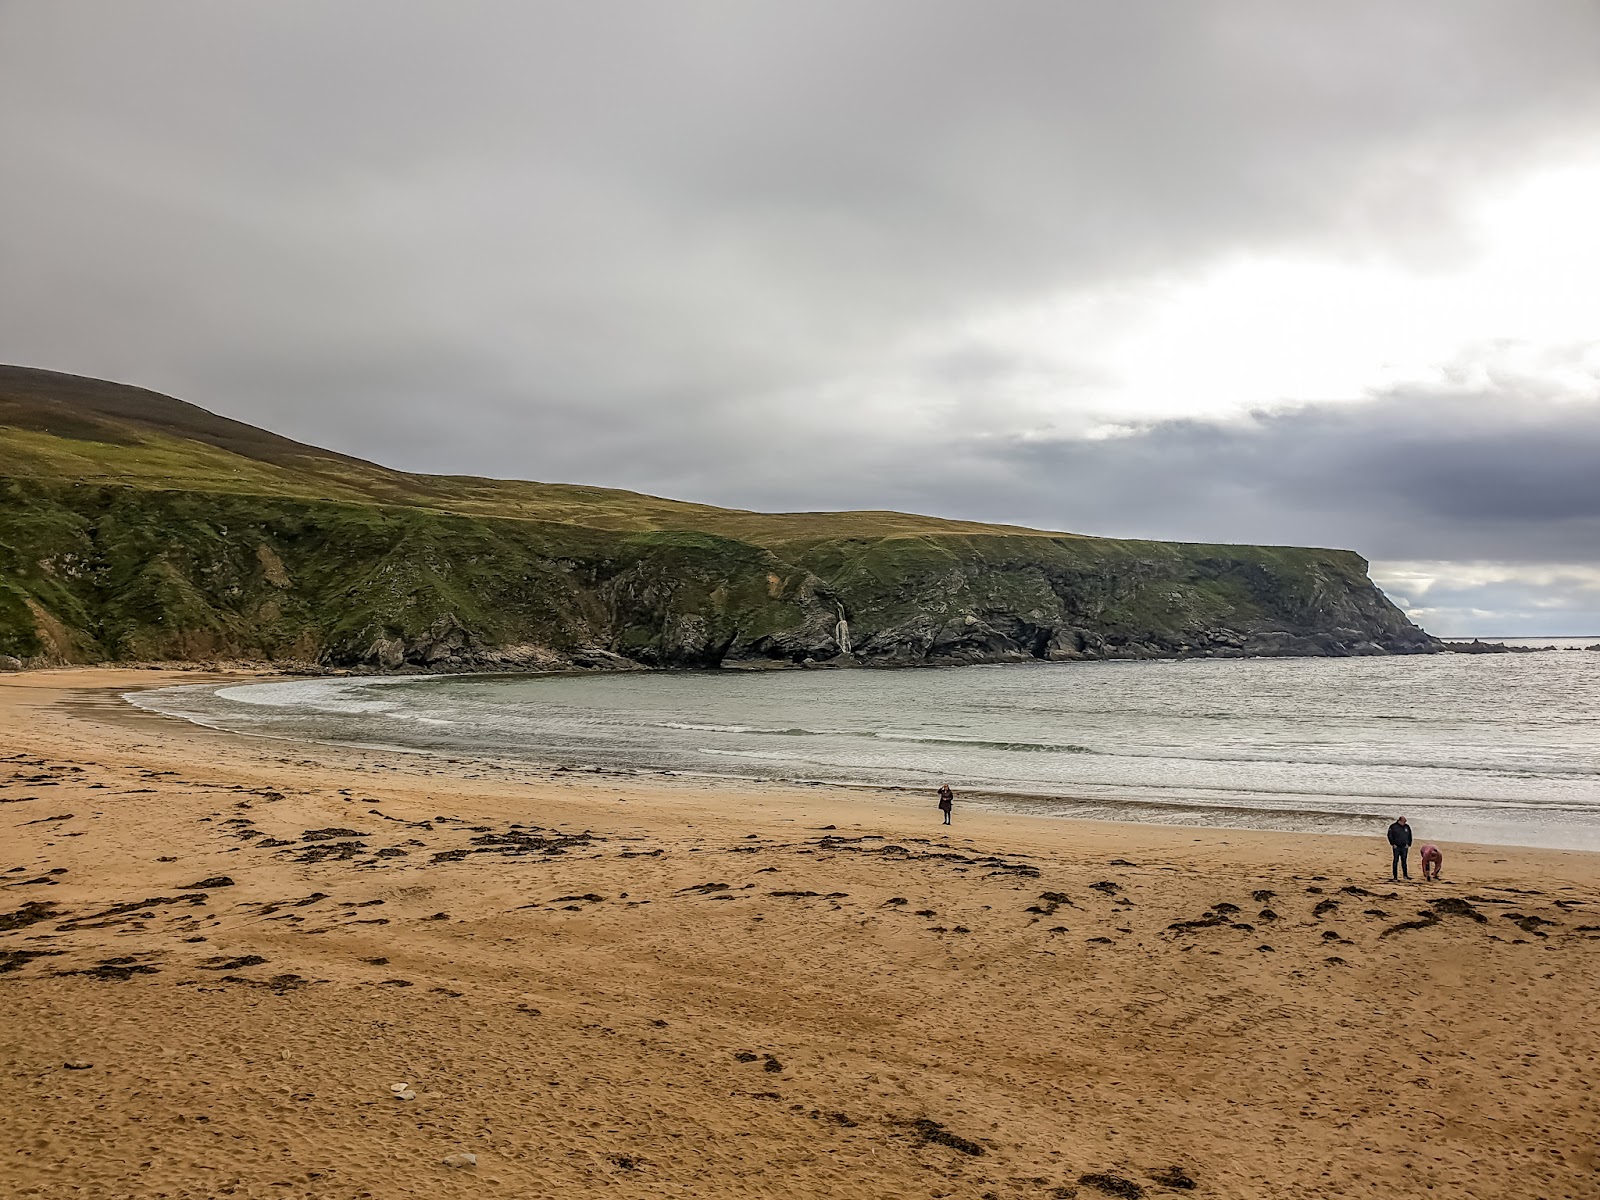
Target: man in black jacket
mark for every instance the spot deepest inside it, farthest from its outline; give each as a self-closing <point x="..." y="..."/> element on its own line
<point x="1400" y="843"/>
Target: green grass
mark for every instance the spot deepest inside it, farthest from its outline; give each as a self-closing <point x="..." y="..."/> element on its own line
<point x="63" y="427"/>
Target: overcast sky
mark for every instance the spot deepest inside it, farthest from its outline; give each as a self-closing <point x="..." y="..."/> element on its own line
<point x="1226" y="271"/>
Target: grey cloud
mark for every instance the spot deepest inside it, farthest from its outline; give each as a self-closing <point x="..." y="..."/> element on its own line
<point x="1489" y="475"/>
<point x="685" y="213"/>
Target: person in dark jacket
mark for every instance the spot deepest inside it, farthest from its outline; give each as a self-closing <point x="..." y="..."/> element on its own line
<point x="947" y="801"/>
<point x="1400" y="843"/>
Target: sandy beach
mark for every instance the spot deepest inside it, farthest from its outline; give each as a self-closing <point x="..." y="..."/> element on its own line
<point x="219" y="953"/>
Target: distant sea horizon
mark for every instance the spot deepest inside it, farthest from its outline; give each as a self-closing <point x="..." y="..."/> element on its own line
<point x="1564" y="641"/>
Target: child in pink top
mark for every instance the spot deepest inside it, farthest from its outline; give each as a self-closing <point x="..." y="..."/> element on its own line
<point x="1432" y="862"/>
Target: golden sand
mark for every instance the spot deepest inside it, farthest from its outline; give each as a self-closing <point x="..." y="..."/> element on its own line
<point x="629" y="986"/>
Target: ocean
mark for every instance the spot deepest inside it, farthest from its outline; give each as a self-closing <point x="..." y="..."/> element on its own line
<point x="1501" y="748"/>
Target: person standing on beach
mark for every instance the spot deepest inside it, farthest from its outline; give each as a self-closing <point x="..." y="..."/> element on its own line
<point x="1432" y="863"/>
<point x="947" y="801"/>
<point x="1400" y="843"/>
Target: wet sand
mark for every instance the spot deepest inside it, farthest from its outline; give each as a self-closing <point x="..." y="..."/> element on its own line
<point x="652" y="986"/>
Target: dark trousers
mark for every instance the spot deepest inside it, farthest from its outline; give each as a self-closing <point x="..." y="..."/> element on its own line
<point x="946" y="812"/>
<point x="1400" y="866"/>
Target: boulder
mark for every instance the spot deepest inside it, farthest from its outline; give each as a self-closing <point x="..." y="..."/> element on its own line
<point x="592" y="658"/>
<point x="387" y="653"/>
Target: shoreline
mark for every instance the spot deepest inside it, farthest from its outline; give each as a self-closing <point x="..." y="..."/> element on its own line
<point x="612" y="664"/>
<point x="661" y="988"/>
<point x="1220" y="812"/>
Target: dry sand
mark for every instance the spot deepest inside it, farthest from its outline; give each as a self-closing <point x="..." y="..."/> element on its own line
<point x="634" y="986"/>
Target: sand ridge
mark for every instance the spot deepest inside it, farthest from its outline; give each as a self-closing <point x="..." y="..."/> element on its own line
<point x="664" y="987"/>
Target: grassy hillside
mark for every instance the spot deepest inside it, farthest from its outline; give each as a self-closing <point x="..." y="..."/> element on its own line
<point x="136" y="526"/>
<point x="55" y="426"/>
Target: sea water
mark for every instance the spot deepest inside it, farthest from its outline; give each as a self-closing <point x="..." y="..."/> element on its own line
<point x="1501" y="748"/>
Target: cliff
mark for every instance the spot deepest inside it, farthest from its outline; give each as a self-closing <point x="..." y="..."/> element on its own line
<point x="136" y="527"/>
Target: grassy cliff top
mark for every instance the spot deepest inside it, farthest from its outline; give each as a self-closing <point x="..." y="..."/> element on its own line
<point x="67" y="427"/>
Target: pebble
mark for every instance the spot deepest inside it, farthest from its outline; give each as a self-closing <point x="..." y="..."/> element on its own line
<point x="77" y="1064"/>
<point x="460" y="1160"/>
<point x="399" y="1087"/>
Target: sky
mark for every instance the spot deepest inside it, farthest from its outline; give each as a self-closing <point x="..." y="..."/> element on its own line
<point x="1209" y="270"/>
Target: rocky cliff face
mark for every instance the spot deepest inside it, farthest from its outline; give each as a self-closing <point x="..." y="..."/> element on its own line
<point x="976" y="599"/>
<point x="90" y="572"/>
<point x="138" y="527"/>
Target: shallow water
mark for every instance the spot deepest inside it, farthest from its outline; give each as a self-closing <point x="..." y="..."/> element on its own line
<point x="1483" y="748"/>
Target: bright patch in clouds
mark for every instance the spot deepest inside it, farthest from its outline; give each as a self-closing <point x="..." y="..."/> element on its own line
<point x="1522" y="294"/>
<point x="1493" y="599"/>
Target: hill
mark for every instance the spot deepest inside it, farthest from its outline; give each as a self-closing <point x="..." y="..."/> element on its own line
<point x="135" y="526"/>
<point x="57" y="426"/>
